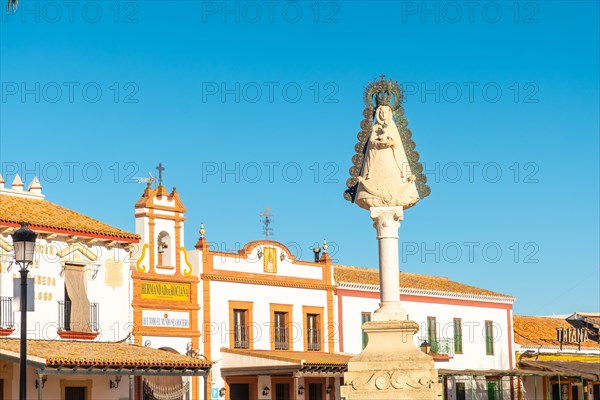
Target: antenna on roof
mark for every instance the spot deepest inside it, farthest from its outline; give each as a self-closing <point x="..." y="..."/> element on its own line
<point x="266" y="221"/>
<point x="150" y="179"/>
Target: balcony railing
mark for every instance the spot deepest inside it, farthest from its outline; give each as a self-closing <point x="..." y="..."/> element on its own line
<point x="6" y="313"/>
<point x="281" y="338"/>
<point x="439" y="346"/>
<point x="313" y="340"/>
<point x="64" y="316"/>
<point x="241" y="337"/>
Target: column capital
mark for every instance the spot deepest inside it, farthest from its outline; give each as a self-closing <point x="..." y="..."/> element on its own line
<point x="386" y="220"/>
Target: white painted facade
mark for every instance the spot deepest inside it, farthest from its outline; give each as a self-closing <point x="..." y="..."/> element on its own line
<point x="473" y="312"/>
<point x="106" y="280"/>
<point x="243" y="277"/>
<point x="473" y="316"/>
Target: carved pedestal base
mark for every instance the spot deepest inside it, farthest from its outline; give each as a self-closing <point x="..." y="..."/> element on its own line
<point x="391" y="367"/>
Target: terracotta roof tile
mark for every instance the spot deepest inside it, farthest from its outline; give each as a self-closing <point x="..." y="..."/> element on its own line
<point x="408" y="280"/>
<point x="541" y="331"/>
<point x="102" y="354"/>
<point x="44" y="214"/>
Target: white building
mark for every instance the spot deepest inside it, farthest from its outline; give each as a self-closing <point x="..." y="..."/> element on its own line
<point x="468" y="330"/>
<point x="267" y="325"/>
<point x="280" y="328"/>
<point x="77" y="334"/>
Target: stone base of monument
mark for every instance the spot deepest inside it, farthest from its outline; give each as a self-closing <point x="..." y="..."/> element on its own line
<point x="391" y="367"/>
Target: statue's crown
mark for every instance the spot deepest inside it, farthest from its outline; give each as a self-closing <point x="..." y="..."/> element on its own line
<point x="383" y="98"/>
<point x="383" y="93"/>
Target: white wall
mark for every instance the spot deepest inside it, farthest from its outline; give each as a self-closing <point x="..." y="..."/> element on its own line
<point x="473" y="320"/>
<point x="253" y="264"/>
<point x="261" y="296"/>
<point x="114" y="302"/>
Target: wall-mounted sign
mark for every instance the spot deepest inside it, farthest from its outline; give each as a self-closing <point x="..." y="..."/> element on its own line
<point x="165" y="319"/>
<point x="17" y="294"/>
<point x="165" y="291"/>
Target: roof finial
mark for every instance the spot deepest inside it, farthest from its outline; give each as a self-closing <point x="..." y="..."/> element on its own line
<point x="382" y="77"/>
<point x="160" y="169"/>
<point x="266" y="221"/>
<point x="202" y="231"/>
<point x="325" y="246"/>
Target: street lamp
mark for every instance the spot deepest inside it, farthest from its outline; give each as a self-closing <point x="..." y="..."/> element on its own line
<point x="24" y="246"/>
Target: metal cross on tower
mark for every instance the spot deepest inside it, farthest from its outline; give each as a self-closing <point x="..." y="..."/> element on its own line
<point x="160" y="169"/>
<point x="266" y="221"/>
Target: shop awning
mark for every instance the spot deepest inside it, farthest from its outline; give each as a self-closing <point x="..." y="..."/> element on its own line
<point x="54" y="357"/>
<point x="587" y="370"/>
<point x="491" y="372"/>
<point x="306" y="363"/>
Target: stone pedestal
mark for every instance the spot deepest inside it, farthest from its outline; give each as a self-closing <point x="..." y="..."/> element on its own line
<point x="390" y="367"/>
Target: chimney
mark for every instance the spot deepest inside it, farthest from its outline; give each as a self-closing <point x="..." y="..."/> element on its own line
<point x="35" y="186"/>
<point x="17" y="184"/>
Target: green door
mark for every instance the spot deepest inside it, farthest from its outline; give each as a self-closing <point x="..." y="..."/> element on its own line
<point x="494" y="390"/>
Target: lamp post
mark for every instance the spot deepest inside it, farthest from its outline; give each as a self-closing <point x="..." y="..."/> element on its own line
<point x="24" y="245"/>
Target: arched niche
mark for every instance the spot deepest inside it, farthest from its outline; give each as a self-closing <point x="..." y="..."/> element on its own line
<point x="164" y="249"/>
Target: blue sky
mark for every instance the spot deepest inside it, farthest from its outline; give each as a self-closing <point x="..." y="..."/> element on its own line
<point x="252" y="104"/>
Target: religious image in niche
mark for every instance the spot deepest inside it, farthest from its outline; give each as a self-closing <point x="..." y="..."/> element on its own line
<point x="386" y="171"/>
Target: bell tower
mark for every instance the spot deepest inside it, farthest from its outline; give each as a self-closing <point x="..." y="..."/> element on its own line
<point x="159" y="220"/>
<point x="165" y="291"/>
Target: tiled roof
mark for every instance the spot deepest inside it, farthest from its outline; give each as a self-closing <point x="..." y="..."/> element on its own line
<point x="102" y="354"/>
<point x="308" y="357"/>
<point x="43" y="214"/>
<point x="368" y="276"/>
<point x="541" y="331"/>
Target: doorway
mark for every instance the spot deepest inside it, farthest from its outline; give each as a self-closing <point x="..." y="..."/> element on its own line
<point x="239" y="391"/>
<point x="283" y="391"/>
<point x="75" y="393"/>
<point x="315" y="391"/>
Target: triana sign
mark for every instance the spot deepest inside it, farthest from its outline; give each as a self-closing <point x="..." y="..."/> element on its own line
<point x="571" y="335"/>
<point x="165" y="319"/>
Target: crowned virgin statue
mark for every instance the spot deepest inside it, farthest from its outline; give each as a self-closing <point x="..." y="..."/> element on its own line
<point x="383" y="174"/>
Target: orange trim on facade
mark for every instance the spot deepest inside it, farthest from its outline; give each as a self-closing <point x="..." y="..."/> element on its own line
<point x="140" y="304"/>
<point x="341" y="323"/>
<point x="248" y="307"/>
<point x="165" y="217"/>
<point x="306" y="310"/>
<point x="147" y="199"/>
<point x="177" y="247"/>
<point x="151" y="248"/>
<point x="331" y="328"/>
<point x="266" y="279"/>
<point x="252" y="382"/>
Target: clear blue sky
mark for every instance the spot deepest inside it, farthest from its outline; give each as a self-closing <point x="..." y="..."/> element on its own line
<point x="272" y="91"/>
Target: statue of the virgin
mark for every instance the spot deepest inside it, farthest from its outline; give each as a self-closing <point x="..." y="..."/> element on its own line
<point x="387" y="172"/>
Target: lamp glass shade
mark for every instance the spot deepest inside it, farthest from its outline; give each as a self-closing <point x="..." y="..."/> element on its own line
<point x="24" y="244"/>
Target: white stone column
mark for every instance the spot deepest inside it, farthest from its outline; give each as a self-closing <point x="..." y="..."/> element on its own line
<point x="386" y="221"/>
